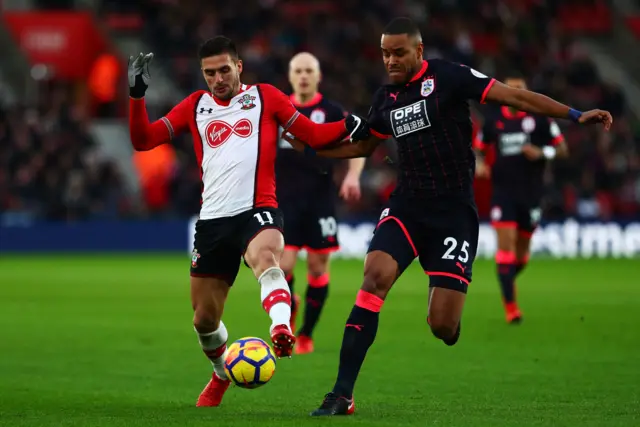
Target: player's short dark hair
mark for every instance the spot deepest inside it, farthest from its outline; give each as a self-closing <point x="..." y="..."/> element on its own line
<point x="402" y="25"/>
<point x="218" y="46"/>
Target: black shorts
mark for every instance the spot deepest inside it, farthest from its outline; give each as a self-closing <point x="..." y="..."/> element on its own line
<point x="221" y="242"/>
<point x="444" y="235"/>
<point x="311" y="222"/>
<point x="509" y="212"/>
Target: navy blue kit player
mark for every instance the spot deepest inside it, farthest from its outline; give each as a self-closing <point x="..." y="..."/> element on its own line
<point x="524" y="143"/>
<point x="431" y="215"/>
<point x="311" y="221"/>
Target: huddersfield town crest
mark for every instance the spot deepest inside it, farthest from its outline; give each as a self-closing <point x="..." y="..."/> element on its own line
<point x="427" y="87"/>
<point x="246" y="102"/>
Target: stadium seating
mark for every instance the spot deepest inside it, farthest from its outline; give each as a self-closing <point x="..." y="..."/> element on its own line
<point x="48" y="168"/>
<point x="536" y="36"/>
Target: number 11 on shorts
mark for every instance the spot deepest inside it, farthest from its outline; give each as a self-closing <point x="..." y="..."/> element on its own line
<point x="261" y="220"/>
<point x="451" y="244"/>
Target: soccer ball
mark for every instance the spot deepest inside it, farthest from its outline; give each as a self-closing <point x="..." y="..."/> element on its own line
<point x="250" y="362"/>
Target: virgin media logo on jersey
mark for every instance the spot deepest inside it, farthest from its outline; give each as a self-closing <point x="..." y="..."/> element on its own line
<point x="218" y="132"/>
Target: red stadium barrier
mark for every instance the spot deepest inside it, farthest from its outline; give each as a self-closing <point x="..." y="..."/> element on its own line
<point x="69" y="42"/>
<point x="586" y="19"/>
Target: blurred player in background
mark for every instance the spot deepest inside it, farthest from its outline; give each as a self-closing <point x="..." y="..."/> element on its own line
<point x="306" y="195"/>
<point x="235" y="137"/>
<point x="523" y="144"/>
<point x="431" y="213"/>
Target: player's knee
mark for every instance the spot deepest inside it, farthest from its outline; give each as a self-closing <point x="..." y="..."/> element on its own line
<point x="261" y="259"/>
<point x="442" y="326"/>
<point x="507" y="245"/>
<point x="317" y="266"/>
<point x="205" y="319"/>
<point x="378" y="280"/>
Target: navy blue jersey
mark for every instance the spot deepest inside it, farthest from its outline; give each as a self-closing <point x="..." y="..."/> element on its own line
<point x="295" y="172"/>
<point x="430" y="120"/>
<point x="512" y="173"/>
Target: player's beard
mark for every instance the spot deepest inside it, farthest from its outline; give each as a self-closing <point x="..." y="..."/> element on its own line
<point x="234" y="89"/>
<point x="411" y="71"/>
<point x="402" y="77"/>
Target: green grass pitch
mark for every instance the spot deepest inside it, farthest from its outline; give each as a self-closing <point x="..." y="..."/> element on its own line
<point x="107" y="341"/>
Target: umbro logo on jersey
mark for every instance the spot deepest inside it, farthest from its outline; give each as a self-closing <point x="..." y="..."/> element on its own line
<point x="208" y="110"/>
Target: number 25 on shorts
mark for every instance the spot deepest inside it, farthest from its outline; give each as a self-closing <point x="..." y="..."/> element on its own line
<point x="451" y="244"/>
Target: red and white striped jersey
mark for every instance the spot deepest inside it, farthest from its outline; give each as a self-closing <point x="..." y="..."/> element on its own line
<point x="235" y="142"/>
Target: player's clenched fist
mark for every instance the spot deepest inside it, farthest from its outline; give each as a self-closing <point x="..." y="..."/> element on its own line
<point x="357" y="127"/>
<point x="139" y="75"/>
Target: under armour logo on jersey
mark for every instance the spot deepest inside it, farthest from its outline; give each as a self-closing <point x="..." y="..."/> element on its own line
<point x="208" y="110"/>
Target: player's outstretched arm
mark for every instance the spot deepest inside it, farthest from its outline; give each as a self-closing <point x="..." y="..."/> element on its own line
<point x="536" y="103"/>
<point x="315" y="135"/>
<point x="145" y="135"/>
<point x="341" y="150"/>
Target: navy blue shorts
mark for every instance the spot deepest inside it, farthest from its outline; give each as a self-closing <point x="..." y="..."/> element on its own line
<point x="311" y="222"/>
<point x="442" y="235"/>
<point x="509" y="212"/>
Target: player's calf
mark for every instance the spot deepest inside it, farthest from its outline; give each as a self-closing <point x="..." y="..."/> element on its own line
<point x="361" y="328"/>
<point x="316" y="296"/>
<point x="445" y="309"/>
<point x="208" y="295"/>
<point x="263" y="255"/>
<point x="214" y="346"/>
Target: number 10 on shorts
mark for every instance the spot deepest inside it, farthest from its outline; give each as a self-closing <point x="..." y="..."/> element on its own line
<point x="452" y="244"/>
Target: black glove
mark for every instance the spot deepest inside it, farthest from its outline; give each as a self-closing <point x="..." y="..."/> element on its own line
<point x="357" y="127"/>
<point x="138" y="73"/>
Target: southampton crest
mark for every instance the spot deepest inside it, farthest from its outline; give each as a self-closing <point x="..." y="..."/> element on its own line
<point x="195" y="256"/>
<point x="246" y="102"/>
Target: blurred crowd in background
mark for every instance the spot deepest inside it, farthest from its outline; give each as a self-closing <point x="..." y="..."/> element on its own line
<point x="49" y="167"/>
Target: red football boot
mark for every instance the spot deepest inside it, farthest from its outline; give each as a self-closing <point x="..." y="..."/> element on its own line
<point x="283" y="341"/>
<point x="513" y="314"/>
<point x="294" y="312"/>
<point x="213" y="392"/>
<point x="304" y="345"/>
